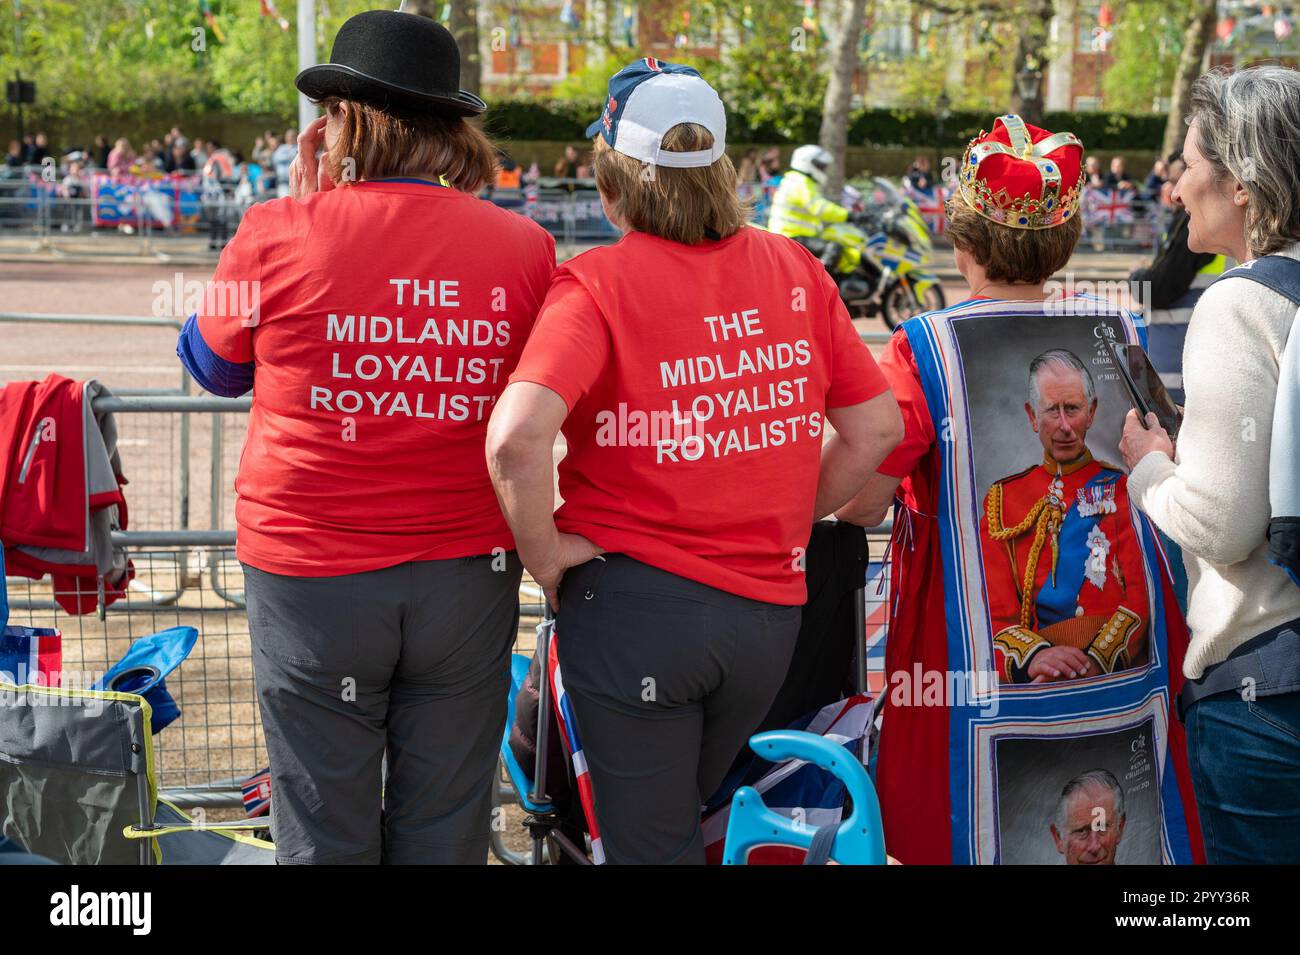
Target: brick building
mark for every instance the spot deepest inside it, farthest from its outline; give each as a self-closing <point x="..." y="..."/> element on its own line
<point x="531" y="48"/>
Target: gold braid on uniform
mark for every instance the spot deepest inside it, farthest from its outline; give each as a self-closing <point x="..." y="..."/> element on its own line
<point x="1045" y="518"/>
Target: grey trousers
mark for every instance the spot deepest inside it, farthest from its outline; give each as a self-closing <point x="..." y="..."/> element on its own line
<point x="668" y="678"/>
<point x="411" y="662"/>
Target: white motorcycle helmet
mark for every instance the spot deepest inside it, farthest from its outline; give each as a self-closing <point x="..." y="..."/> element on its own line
<point x="812" y="161"/>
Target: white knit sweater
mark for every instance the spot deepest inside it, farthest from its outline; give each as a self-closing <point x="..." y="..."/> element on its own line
<point x="1213" y="498"/>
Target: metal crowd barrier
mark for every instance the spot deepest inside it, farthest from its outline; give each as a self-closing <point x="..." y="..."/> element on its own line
<point x="568" y="208"/>
<point x="51" y="218"/>
<point x="159" y="447"/>
<point x="190" y="577"/>
<point x="182" y="577"/>
<point x="1140" y="229"/>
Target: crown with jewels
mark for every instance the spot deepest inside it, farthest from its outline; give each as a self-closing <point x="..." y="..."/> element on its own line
<point x="1014" y="175"/>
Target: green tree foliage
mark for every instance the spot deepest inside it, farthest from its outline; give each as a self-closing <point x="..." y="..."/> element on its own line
<point x="93" y="57"/>
<point x="115" y="56"/>
<point x="1148" y="37"/>
<point x="774" y="75"/>
<point x="588" y="84"/>
<point x="106" y="55"/>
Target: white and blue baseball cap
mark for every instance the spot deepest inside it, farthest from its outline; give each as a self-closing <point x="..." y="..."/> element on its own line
<point x="649" y="98"/>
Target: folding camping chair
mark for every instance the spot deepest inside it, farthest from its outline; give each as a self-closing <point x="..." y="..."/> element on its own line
<point x="857" y="840"/>
<point x="77" y="785"/>
<point x="540" y="819"/>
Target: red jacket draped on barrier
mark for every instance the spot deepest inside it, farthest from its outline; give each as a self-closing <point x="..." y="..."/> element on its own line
<point x="61" y="490"/>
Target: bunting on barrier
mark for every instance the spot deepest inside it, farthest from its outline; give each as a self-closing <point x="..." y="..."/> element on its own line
<point x="132" y="200"/>
<point x="1102" y="208"/>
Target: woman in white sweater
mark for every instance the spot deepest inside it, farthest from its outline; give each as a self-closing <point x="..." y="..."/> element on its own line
<point x="1211" y="496"/>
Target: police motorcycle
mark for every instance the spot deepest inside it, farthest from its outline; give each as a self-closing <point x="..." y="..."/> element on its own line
<point x="899" y="240"/>
<point x="877" y="256"/>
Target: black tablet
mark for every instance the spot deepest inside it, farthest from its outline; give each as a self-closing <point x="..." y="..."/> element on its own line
<point x="1145" y="389"/>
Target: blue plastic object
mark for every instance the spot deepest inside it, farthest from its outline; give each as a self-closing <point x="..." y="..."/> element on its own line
<point x="145" y="665"/>
<point x="859" y="840"/>
<point x="520" y="780"/>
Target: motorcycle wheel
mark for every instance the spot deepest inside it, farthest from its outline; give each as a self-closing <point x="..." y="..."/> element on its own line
<point x="901" y="303"/>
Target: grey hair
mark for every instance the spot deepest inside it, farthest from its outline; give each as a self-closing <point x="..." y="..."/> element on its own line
<point x="1100" y="778"/>
<point x="1058" y="358"/>
<point x="1248" y="127"/>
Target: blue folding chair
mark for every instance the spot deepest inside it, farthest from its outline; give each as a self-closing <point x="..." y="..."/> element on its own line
<point x="857" y="840"/>
<point x="519" y="779"/>
<point x="541" y="818"/>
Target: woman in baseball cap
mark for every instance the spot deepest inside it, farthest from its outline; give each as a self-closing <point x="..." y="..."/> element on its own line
<point x="380" y="310"/>
<point x="693" y="367"/>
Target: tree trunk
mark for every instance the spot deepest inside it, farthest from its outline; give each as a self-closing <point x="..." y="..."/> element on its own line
<point x="839" y="88"/>
<point x="1196" y="40"/>
<point x="1059" y="76"/>
<point x="1029" y="55"/>
<point x="464" y="27"/>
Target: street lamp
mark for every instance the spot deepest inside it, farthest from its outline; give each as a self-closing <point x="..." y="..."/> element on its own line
<point x="1028" y="84"/>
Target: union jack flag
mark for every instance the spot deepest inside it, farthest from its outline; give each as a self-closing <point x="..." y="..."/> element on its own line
<point x="257" y="794"/>
<point x="30" y="655"/>
<point x="877" y="598"/>
<point x="1108" y="206"/>
<point x="573" y="742"/>
<point x="930" y="204"/>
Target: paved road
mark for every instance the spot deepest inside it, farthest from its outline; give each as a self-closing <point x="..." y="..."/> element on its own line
<point x="100" y="277"/>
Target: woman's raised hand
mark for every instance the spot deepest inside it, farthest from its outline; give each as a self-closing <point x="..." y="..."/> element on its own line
<point x="306" y="174"/>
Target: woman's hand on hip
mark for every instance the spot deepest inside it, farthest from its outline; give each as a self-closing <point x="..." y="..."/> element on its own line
<point x="1138" y="441"/>
<point x="306" y="174"/>
<point x="570" y="550"/>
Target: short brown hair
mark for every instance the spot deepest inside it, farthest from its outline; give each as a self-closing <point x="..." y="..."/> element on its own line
<point x="1011" y="255"/>
<point x="674" y="204"/>
<point x="389" y="142"/>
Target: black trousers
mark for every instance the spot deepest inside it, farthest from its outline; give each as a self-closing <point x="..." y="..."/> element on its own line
<point x="668" y="678"/>
<point x="409" y="662"/>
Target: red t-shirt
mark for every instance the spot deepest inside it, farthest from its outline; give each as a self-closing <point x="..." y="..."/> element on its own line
<point x="389" y="318"/>
<point x="897" y="365"/>
<point x="697" y="380"/>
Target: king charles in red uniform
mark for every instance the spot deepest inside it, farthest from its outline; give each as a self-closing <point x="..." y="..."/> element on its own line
<point x="1063" y="564"/>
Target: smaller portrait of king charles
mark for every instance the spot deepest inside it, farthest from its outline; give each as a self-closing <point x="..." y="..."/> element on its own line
<point x="1066" y="586"/>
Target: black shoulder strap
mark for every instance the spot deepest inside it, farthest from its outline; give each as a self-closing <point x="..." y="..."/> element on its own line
<point x="1278" y="272"/>
<point x="819" y="852"/>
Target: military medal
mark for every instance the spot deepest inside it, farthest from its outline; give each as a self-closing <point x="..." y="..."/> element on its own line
<point x="1096" y="499"/>
<point x="1095" y="563"/>
<point x="1056" y="490"/>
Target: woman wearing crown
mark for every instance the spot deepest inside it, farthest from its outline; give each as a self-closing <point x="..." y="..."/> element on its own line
<point x="1064" y="653"/>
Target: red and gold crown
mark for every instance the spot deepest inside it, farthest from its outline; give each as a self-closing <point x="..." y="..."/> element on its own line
<point x="1014" y="175"/>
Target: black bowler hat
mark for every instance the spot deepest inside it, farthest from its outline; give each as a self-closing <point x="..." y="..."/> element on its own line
<point x="389" y="58"/>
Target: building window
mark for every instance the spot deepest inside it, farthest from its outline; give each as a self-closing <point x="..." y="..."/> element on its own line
<point x="1086" y="27"/>
<point x="892" y="39"/>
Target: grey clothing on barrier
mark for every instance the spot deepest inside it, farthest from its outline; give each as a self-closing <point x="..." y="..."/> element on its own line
<point x="667" y="677"/>
<point x="411" y="662"/>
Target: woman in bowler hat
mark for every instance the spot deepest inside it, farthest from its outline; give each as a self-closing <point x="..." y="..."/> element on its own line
<point x="388" y="306"/>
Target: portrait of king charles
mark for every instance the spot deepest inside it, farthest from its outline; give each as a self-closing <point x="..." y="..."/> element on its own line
<point x="1063" y="566"/>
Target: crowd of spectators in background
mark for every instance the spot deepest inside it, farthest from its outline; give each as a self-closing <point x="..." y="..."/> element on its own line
<point x="265" y="170"/>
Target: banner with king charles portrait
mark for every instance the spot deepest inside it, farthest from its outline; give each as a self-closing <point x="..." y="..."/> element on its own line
<point x="1057" y="597"/>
